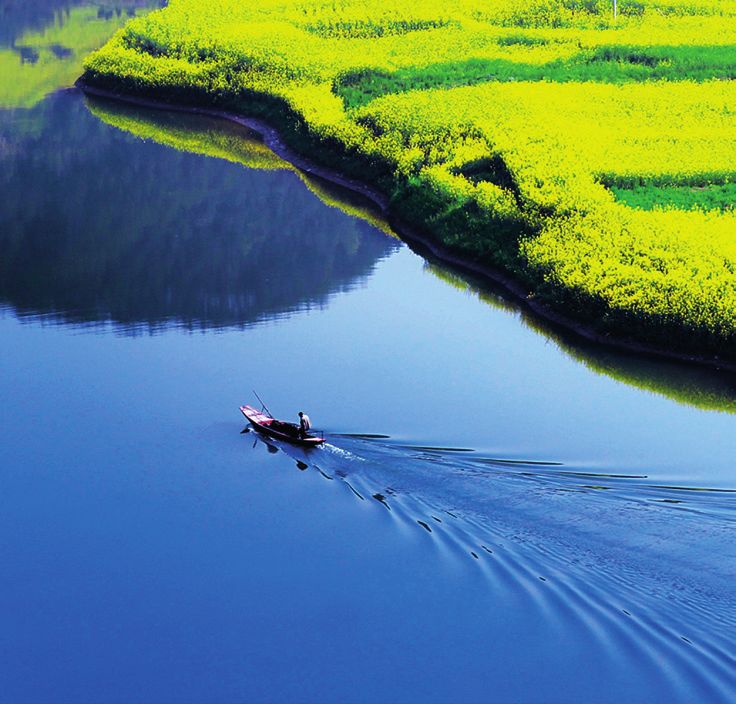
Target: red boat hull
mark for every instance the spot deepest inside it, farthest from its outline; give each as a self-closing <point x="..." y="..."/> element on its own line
<point x="278" y="429"/>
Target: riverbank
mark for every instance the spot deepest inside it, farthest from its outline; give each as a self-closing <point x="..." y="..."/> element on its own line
<point x="521" y="174"/>
<point x="409" y="232"/>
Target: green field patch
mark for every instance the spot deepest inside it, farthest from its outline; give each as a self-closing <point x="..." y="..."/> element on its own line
<point x="367" y="29"/>
<point x="605" y="64"/>
<point x="361" y="87"/>
<point x="671" y="63"/>
<point x="522" y="40"/>
<point x="709" y="197"/>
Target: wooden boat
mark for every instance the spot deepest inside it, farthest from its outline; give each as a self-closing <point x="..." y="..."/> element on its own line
<point x="279" y="429"/>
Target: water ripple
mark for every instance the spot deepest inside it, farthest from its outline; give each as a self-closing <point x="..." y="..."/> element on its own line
<point x="640" y="572"/>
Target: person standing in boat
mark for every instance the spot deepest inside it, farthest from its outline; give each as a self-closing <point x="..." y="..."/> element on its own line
<point x="304" y="424"/>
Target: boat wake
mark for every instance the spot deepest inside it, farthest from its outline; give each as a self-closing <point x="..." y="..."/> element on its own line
<point x="642" y="572"/>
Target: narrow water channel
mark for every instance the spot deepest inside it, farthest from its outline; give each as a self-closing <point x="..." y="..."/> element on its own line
<point x="500" y="513"/>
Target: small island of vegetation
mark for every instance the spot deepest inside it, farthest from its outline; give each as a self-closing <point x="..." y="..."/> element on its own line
<point x="590" y="157"/>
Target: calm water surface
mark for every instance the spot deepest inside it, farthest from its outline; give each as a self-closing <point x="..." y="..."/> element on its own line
<point x="499" y="514"/>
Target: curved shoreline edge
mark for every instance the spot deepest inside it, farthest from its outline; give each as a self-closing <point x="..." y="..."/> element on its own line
<point x="415" y="238"/>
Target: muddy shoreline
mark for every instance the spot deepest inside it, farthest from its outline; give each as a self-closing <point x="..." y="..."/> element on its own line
<point x="416" y="239"/>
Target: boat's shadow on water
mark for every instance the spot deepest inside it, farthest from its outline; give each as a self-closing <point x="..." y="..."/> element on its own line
<point x="603" y="553"/>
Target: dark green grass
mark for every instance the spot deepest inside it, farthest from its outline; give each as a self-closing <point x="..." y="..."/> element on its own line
<point x="609" y="64"/>
<point x="710" y="197"/>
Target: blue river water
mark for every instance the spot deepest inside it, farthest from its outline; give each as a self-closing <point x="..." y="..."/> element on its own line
<point x="500" y="514"/>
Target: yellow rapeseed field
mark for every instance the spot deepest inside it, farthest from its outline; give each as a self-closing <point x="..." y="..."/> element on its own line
<point x="518" y="132"/>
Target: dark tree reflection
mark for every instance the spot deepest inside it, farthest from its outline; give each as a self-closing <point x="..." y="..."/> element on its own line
<point x="98" y="225"/>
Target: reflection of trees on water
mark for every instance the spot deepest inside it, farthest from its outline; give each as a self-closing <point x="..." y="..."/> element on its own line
<point x="20" y="16"/>
<point x="96" y="225"/>
<point x="211" y="136"/>
<point x="43" y="44"/>
<point x="694" y="385"/>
